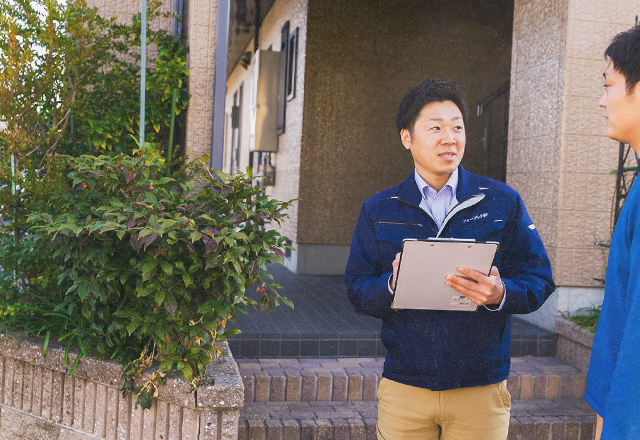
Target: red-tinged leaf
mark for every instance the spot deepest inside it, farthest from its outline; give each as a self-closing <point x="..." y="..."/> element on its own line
<point x="182" y="207"/>
<point x="135" y="243"/>
<point x="149" y="239"/>
<point x="140" y="198"/>
<point x="129" y="175"/>
<point x="226" y="191"/>
<point x="190" y="247"/>
<point x="161" y="250"/>
<point x="214" y="231"/>
<point x="131" y="223"/>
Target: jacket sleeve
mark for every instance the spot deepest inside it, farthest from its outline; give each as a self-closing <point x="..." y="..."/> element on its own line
<point x="526" y="269"/>
<point x="367" y="285"/>
<point x="622" y="407"/>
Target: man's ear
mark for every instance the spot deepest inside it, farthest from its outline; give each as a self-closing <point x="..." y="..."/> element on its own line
<point x="405" y="136"/>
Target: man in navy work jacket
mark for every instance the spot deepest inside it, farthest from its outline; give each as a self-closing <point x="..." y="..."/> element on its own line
<point x="445" y="372"/>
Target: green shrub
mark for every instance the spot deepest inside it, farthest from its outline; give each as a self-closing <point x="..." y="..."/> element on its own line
<point x="151" y="262"/>
<point x="586" y="318"/>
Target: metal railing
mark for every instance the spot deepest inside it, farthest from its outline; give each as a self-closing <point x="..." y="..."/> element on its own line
<point x="496" y="132"/>
<point x="625" y="178"/>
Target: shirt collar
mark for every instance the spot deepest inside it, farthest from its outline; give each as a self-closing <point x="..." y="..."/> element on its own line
<point x="452" y="182"/>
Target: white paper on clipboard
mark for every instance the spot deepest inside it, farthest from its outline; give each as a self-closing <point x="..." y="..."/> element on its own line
<point x="424" y="266"/>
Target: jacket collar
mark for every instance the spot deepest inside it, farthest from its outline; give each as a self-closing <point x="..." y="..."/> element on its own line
<point x="467" y="187"/>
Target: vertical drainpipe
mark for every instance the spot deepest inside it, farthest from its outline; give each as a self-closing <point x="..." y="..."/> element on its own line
<point x="219" y="84"/>
<point x="178" y="8"/>
<point x="143" y="67"/>
<point x="256" y="46"/>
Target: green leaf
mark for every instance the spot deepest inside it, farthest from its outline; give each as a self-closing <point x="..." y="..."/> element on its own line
<point x="167" y="267"/>
<point x="286" y="301"/>
<point x="149" y="266"/>
<point x="144" y="291"/>
<point x="132" y="327"/>
<point x="195" y="236"/>
<point x="231" y="332"/>
<point x="46" y="344"/>
<point x="160" y="294"/>
<point x="186" y="278"/>
<point x="186" y="371"/>
<point x="150" y="197"/>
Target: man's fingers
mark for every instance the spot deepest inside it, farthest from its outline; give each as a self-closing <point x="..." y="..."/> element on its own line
<point x="473" y="274"/>
<point x="395" y="264"/>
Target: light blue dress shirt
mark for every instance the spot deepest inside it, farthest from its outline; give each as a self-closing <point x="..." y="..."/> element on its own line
<point x="438" y="203"/>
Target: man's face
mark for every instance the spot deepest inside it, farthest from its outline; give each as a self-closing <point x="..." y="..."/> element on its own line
<point x="437" y="142"/>
<point x="621" y="111"/>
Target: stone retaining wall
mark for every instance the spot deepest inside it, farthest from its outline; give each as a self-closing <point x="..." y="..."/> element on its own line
<point x="40" y="400"/>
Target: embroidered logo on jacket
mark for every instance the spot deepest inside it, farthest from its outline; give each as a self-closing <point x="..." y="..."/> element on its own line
<point x="476" y="217"/>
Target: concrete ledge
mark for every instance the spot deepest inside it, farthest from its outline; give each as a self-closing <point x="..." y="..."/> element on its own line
<point x="574" y="344"/>
<point x="318" y="259"/>
<point x="40" y="400"/>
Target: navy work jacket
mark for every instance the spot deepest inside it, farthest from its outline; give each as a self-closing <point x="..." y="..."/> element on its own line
<point x="435" y="349"/>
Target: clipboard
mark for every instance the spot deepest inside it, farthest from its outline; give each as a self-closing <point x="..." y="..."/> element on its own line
<point x="424" y="265"/>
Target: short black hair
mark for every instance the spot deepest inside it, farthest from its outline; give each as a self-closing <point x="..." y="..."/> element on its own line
<point x="624" y="52"/>
<point x="429" y="90"/>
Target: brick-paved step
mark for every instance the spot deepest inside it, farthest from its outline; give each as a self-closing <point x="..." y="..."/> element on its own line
<point x="541" y="419"/>
<point x="356" y="379"/>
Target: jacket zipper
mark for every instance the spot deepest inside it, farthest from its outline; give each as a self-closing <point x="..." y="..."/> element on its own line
<point x="466" y="203"/>
<point x="398" y="223"/>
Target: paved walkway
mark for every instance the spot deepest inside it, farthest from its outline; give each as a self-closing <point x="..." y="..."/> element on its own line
<point x="323" y="324"/>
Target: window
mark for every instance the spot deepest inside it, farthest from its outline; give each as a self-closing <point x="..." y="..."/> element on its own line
<point x="291" y="65"/>
<point x="287" y="81"/>
<point x="235" y="128"/>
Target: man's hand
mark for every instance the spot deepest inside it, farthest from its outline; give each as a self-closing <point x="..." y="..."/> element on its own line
<point x="395" y="264"/>
<point x="486" y="290"/>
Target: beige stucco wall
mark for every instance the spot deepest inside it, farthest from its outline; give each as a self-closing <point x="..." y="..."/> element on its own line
<point x="559" y="157"/>
<point x="287" y="159"/>
<point x="362" y="57"/>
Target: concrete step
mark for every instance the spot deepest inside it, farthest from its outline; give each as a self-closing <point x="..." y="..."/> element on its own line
<point x="542" y="419"/>
<point x="356" y="379"/>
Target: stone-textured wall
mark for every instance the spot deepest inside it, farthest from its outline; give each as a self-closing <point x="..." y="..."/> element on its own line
<point x="124" y="10"/>
<point x="200" y="32"/>
<point x="559" y="157"/>
<point x="362" y="57"/>
<point x="287" y="159"/>
<point x="39" y="399"/>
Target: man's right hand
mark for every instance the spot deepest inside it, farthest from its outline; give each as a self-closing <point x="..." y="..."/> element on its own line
<point x="395" y="264"/>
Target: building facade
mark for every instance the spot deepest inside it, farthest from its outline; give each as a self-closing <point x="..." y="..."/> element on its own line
<point x="337" y="88"/>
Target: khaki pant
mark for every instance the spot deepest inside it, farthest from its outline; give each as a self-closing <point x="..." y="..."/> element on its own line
<point x="476" y="413"/>
<point x="599" y="422"/>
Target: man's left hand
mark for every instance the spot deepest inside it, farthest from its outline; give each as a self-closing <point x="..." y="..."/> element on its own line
<point x="486" y="290"/>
